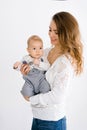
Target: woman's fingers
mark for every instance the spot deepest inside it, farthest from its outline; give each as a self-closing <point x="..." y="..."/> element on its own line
<point x="25" y="68"/>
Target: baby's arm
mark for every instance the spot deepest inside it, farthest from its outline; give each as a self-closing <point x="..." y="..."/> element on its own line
<point x="17" y="65"/>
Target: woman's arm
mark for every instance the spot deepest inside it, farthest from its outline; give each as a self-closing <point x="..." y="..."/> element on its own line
<point x="57" y="94"/>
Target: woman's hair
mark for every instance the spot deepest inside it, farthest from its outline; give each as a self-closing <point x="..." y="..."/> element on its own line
<point x="33" y="38"/>
<point x="69" y="38"/>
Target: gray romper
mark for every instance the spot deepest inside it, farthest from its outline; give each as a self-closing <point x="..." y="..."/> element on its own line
<point x="35" y="80"/>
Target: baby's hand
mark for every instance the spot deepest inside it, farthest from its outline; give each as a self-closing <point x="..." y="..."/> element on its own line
<point x="17" y="65"/>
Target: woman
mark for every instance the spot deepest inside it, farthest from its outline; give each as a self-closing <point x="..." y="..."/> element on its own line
<point x="65" y="57"/>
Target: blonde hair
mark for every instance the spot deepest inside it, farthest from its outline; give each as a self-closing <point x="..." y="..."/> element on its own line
<point x="33" y="38"/>
<point x="69" y="38"/>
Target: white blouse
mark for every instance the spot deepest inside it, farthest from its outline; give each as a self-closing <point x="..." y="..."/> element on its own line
<point x="51" y="105"/>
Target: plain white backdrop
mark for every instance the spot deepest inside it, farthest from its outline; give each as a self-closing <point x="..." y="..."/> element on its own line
<point x="18" y="20"/>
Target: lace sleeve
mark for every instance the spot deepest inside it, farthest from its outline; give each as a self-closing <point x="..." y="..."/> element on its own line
<point x="57" y="94"/>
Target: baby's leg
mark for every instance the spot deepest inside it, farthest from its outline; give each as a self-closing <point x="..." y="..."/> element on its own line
<point x="27" y="89"/>
<point x="44" y="86"/>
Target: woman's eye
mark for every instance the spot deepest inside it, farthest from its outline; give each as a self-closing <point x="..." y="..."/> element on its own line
<point x="56" y="32"/>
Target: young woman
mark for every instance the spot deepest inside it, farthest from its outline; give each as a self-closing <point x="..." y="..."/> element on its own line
<point x="65" y="57"/>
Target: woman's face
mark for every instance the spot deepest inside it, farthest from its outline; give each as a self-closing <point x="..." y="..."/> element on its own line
<point x="53" y="33"/>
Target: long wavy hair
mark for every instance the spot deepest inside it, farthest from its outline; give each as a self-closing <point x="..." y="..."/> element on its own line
<point x="69" y="38"/>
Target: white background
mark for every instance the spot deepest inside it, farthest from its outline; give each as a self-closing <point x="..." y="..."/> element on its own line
<point x="18" y="20"/>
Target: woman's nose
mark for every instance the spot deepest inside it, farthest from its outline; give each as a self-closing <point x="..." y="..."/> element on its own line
<point x="51" y="34"/>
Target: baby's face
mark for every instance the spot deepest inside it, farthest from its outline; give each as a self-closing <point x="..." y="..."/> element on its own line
<point x="35" y="49"/>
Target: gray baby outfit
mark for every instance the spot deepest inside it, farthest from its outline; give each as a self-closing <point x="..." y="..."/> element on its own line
<point x="35" y="80"/>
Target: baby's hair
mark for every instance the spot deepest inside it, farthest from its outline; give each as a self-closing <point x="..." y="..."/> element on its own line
<point x="33" y="38"/>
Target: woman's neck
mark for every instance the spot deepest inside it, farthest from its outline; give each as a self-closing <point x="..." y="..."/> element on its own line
<point x="54" y="53"/>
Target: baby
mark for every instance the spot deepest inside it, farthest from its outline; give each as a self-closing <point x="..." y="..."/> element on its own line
<point x="35" y="80"/>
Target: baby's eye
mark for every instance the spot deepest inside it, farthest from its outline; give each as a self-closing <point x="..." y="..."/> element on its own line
<point x="34" y="48"/>
<point x="41" y="48"/>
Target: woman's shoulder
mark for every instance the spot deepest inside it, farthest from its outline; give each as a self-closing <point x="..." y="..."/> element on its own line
<point x="63" y="60"/>
<point x="62" y="63"/>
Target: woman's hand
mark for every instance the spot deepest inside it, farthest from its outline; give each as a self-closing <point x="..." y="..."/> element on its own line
<point x="25" y="68"/>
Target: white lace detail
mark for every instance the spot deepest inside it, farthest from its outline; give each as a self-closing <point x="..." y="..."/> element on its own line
<point x="52" y="103"/>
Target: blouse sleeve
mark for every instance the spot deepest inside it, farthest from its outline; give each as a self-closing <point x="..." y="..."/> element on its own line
<point x="57" y="94"/>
